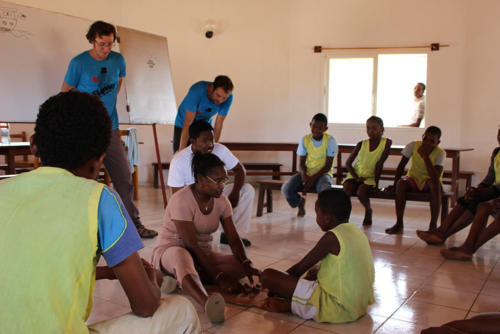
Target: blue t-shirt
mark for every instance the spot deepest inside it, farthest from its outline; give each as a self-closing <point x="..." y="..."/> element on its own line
<point x="330" y="152"/>
<point x="99" y="78"/>
<point x="197" y="101"/>
<point x="116" y="234"/>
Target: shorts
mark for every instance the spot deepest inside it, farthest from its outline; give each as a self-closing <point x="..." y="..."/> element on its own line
<point x="472" y="205"/>
<point x="300" y="305"/>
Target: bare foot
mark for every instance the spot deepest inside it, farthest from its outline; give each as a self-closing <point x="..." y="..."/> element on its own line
<point x="368" y="218"/>
<point x="430" y="238"/>
<point x="456" y="253"/>
<point x="396" y="229"/>
<point x="302" y="209"/>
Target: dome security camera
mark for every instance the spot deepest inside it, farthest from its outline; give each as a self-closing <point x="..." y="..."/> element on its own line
<point x="209" y="34"/>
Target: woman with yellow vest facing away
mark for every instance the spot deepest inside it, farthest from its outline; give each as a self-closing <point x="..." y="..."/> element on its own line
<point x="316" y="151"/>
<point x="56" y="222"/>
<point x="363" y="178"/>
<point x="424" y="175"/>
<point x="340" y="289"/>
<point x="464" y="212"/>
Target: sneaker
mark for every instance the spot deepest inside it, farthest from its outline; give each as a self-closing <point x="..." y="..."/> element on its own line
<point x="144" y="232"/>
<point x="224" y="241"/>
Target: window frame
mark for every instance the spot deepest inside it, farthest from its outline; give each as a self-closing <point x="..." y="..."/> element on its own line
<point x="363" y="54"/>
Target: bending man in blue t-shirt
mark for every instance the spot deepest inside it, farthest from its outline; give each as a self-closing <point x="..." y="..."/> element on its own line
<point x="100" y="72"/>
<point x="203" y="101"/>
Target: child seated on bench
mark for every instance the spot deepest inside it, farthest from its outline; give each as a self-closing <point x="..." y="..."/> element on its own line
<point x="371" y="154"/>
<point x="316" y="151"/>
<point x="463" y="213"/>
<point x="424" y="175"/>
<point x="342" y="288"/>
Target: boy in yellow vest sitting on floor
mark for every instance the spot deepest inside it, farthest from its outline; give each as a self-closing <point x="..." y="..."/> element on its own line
<point x="56" y="221"/>
<point x="371" y="154"/>
<point x="316" y="151"/>
<point x="424" y="175"/>
<point x="342" y="288"/>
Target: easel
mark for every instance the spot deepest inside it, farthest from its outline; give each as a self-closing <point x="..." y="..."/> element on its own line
<point x="162" y="182"/>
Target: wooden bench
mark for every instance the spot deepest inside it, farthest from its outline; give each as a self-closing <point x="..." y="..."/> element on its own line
<point x="274" y="169"/>
<point x="389" y="173"/>
<point x="267" y="186"/>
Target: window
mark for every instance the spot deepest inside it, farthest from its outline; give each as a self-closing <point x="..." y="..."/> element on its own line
<point x="381" y="84"/>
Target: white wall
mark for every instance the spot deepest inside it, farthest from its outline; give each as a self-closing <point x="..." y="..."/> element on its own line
<point x="481" y="109"/>
<point x="266" y="48"/>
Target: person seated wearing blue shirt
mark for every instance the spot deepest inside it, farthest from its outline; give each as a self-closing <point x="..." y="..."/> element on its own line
<point x="316" y="151"/>
<point x="57" y="221"/>
<point x="204" y="100"/>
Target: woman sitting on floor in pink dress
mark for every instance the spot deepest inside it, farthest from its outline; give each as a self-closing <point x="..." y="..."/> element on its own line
<point x="183" y="248"/>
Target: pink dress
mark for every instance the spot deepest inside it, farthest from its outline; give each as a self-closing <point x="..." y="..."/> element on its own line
<point x="169" y="247"/>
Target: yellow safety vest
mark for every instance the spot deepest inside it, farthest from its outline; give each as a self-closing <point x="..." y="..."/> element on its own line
<point x="345" y="280"/>
<point x="48" y="242"/>
<point x="366" y="161"/>
<point x="418" y="171"/>
<point x="316" y="156"/>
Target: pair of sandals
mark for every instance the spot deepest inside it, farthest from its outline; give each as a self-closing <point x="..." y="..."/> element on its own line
<point x="214" y="306"/>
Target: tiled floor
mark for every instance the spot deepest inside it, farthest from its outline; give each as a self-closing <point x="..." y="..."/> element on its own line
<point x="414" y="287"/>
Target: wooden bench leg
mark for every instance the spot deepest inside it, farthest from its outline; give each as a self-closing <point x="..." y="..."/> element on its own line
<point x="444" y="208"/>
<point x="260" y="201"/>
<point x="276" y="170"/>
<point x="155" y="176"/>
<point x="269" y="202"/>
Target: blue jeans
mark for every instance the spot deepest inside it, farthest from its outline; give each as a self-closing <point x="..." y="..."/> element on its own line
<point x="292" y="187"/>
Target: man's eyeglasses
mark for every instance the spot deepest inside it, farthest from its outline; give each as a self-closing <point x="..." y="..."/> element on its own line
<point x="104" y="44"/>
<point x="219" y="182"/>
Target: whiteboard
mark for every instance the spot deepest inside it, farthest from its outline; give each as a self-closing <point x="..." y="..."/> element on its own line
<point x="36" y="48"/>
<point x="148" y="85"/>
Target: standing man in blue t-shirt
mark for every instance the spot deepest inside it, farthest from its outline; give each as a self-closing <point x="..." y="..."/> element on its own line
<point x="100" y="72"/>
<point x="203" y="101"/>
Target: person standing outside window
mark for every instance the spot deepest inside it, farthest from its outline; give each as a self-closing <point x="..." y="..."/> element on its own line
<point x="419" y="109"/>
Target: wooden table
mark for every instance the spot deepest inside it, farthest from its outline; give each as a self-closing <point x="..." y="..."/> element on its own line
<point x="453" y="153"/>
<point x="11" y="150"/>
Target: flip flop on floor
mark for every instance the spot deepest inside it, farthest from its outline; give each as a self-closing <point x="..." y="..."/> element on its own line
<point x="214" y="308"/>
<point x="169" y="284"/>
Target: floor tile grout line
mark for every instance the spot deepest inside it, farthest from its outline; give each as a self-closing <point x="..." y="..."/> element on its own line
<point x="481" y="289"/>
<point x="407" y="299"/>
